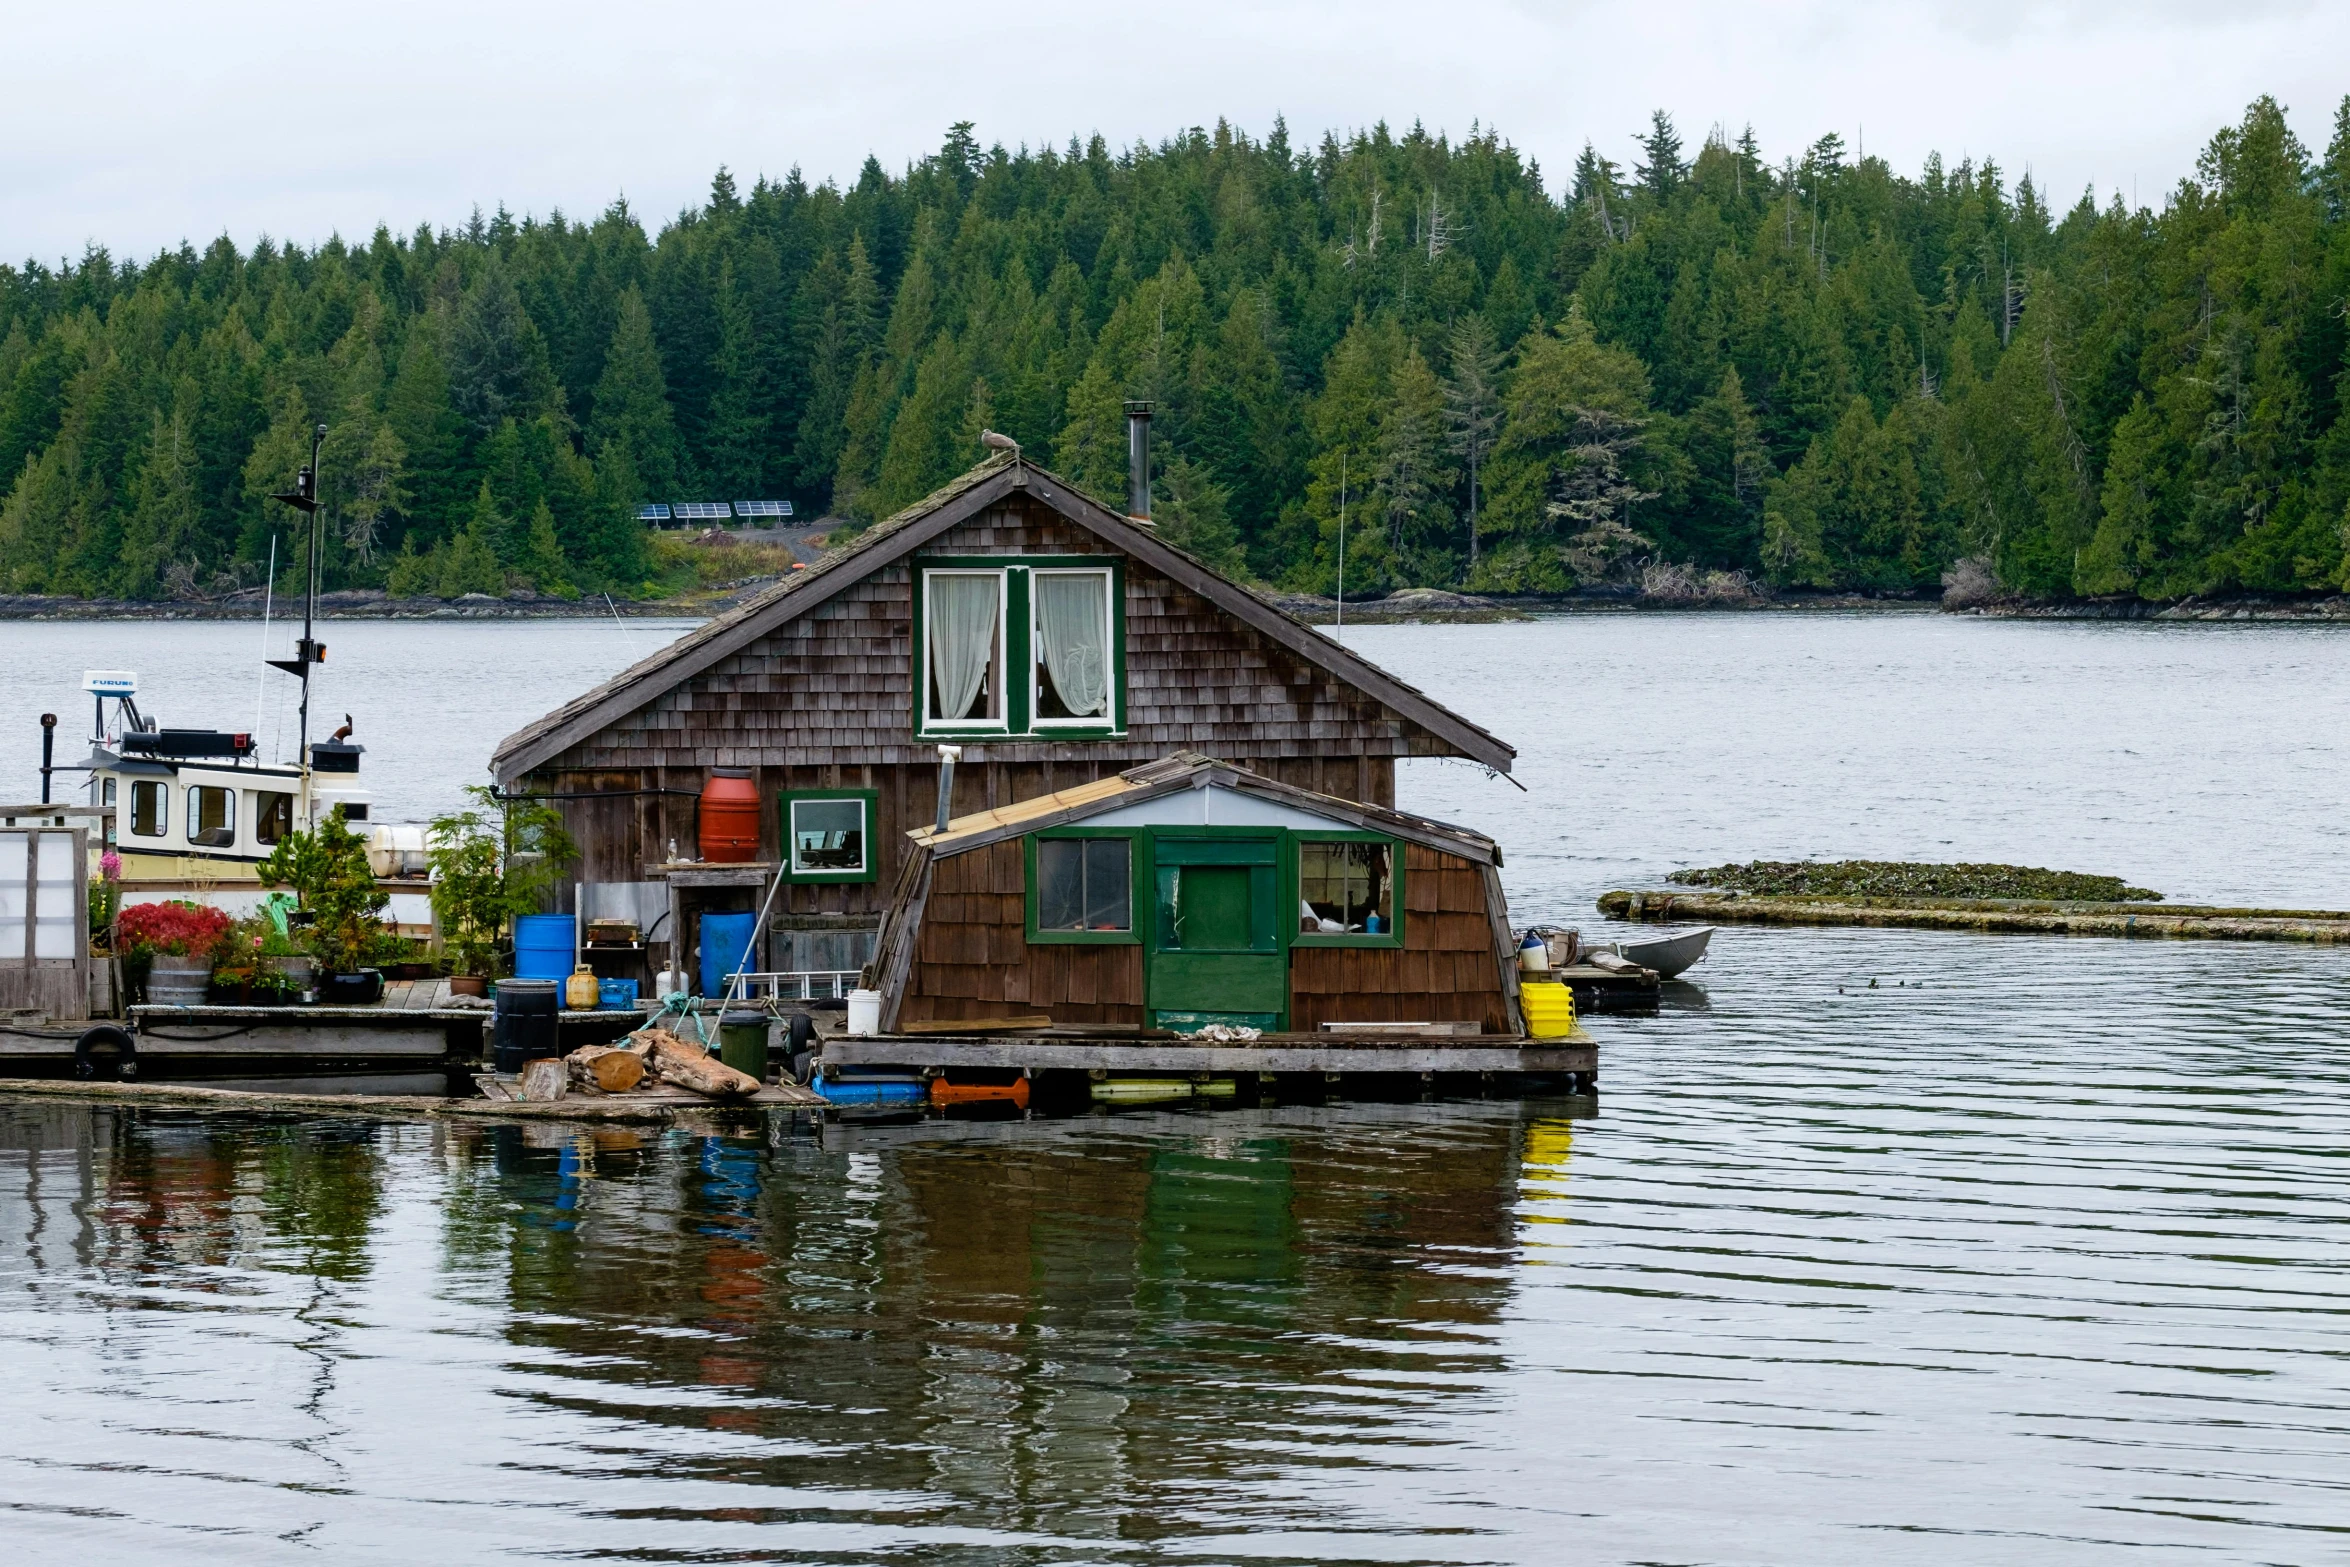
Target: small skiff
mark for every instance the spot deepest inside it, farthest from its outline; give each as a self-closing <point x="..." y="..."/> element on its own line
<point x="1669" y="954"/>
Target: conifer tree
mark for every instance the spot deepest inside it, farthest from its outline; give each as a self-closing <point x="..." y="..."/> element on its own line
<point x="1472" y="407"/>
<point x="632" y="414"/>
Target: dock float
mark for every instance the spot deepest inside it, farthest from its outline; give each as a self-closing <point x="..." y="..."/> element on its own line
<point x="1321" y="1055"/>
<point x="654" y="1108"/>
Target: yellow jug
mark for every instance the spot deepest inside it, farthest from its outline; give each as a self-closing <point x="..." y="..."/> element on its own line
<point x="579" y="991"/>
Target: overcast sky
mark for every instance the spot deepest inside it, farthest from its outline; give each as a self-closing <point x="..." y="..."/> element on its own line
<point x="145" y="123"/>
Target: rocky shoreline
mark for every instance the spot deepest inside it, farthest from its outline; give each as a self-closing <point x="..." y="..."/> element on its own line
<point x="1407" y="606"/>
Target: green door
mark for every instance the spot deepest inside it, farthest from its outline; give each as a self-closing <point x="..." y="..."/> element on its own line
<point x="1215" y="952"/>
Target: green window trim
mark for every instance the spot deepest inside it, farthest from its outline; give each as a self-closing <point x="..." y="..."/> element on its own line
<point x="870" y="799"/>
<point x="1138" y="908"/>
<point x="1018" y="650"/>
<point x="1293" y="897"/>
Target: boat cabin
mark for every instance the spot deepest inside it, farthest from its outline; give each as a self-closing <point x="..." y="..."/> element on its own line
<point x="1190" y="892"/>
<point x="196" y="802"/>
<point x="1008" y="625"/>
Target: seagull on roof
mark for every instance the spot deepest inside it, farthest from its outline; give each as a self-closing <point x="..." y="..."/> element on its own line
<point x="1001" y="443"/>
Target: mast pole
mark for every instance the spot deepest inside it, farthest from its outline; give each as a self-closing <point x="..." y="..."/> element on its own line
<point x="303" y="497"/>
<point x="309" y="607"/>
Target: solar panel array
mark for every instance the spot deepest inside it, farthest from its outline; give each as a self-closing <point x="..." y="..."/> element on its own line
<point x="710" y="511"/>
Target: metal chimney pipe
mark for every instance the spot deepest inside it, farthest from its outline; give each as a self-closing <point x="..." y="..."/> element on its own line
<point x="947" y="755"/>
<point x="48" y="752"/>
<point x="1138" y="461"/>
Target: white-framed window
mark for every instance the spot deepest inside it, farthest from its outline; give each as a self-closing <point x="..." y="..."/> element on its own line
<point x="963" y="625"/>
<point x="1074" y="657"/>
<point x="150" y="808"/>
<point x="212" y="816"/>
<point x="273" y="815"/>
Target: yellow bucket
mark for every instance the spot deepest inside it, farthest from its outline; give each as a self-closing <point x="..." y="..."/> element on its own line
<point x="1549" y="1008"/>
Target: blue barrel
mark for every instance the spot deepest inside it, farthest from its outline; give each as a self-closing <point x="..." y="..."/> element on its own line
<point x="723" y="938"/>
<point x="543" y="945"/>
<point x="871" y="1090"/>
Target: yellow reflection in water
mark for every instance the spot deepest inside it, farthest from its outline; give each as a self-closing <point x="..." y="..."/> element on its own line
<point x="1542" y="1169"/>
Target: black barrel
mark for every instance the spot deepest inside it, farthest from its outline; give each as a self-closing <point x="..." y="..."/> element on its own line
<point x="523" y="1026"/>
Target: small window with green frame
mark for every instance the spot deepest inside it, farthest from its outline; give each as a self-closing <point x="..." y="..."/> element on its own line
<point x="828" y="834"/>
<point x="1349" y="890"/>
<point x="1082" y="886"/>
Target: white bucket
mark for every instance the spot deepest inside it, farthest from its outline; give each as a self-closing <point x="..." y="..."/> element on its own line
<point x="864" y="1013"/>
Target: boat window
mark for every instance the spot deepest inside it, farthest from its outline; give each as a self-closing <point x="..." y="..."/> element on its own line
<point x="212" y="816"/>
<point x="963" y="640"/>
<point x="1084" y="884"/>
<point x="273" y="815"/>
<point x="827" y="835"/>
<point x="150" y="807"/>
<point x="1072" y="641"/>
<point x="1346" y="888"/>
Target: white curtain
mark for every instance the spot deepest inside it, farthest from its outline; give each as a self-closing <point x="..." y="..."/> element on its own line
<point x="962" y="621"/>
<point x="1073" y="622"/>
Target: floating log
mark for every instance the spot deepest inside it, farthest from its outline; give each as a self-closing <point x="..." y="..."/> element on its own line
<point x="690" y="1066"/>
<point x="545" y="1080"/>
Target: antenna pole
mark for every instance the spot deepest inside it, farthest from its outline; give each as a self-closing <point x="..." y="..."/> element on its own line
<point x="268" y="603"/>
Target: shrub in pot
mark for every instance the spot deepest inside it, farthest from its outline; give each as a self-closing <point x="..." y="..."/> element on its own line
<point x="171" y="946"/>
<point x="490" y="863"/>
<point x="341" y="905"/>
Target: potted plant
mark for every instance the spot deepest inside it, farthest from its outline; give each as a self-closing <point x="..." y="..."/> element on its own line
<point x="345" y="931"/>
<point x="170" y="947"/>
<point x="261" y="966"/>
<point x="490" y="862"/>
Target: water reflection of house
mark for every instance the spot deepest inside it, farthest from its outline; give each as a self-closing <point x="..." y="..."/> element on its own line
<point x="1055" y="641"/>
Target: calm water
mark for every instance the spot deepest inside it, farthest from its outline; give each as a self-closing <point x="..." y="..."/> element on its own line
<point x="2031" y="1252"/>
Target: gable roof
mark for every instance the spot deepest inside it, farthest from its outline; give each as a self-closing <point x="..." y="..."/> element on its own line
<point x="1172" y="774"/>
<point x="893" y="540"/>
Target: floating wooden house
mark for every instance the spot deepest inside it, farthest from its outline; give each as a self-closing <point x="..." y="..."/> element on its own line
<point x="1055" y="641"/>
<point x="1190" y="892"/>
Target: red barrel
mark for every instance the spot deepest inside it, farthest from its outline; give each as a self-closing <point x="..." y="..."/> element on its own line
<point x="730" y="816"/>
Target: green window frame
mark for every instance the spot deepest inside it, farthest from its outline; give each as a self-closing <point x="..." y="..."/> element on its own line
<point x="1016" y="670"/>
<point x="868" y="800"/>
<point x="1137" y="901"/>
<point x="1293" y="860"/>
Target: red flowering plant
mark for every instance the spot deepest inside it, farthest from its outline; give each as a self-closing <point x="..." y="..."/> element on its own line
<point x="176" y="929"/>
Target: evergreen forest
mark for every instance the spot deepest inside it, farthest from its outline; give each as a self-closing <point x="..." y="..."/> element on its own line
<point x="1808" y="371"/>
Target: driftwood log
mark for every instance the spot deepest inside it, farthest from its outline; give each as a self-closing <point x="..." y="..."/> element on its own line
<point x="610" y="1069"/>
<point x="689" y="1066"/>
<point x="544" y="1080"/>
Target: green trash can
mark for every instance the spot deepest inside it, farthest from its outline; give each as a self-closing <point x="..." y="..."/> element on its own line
<point x="742" y="1042"/>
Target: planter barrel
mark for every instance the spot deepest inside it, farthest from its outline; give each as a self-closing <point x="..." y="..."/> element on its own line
<point x="178" y="982"/>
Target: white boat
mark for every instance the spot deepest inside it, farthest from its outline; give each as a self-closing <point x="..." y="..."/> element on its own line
<point x="1669" y="954"/>
<point x="196" y="811"/>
